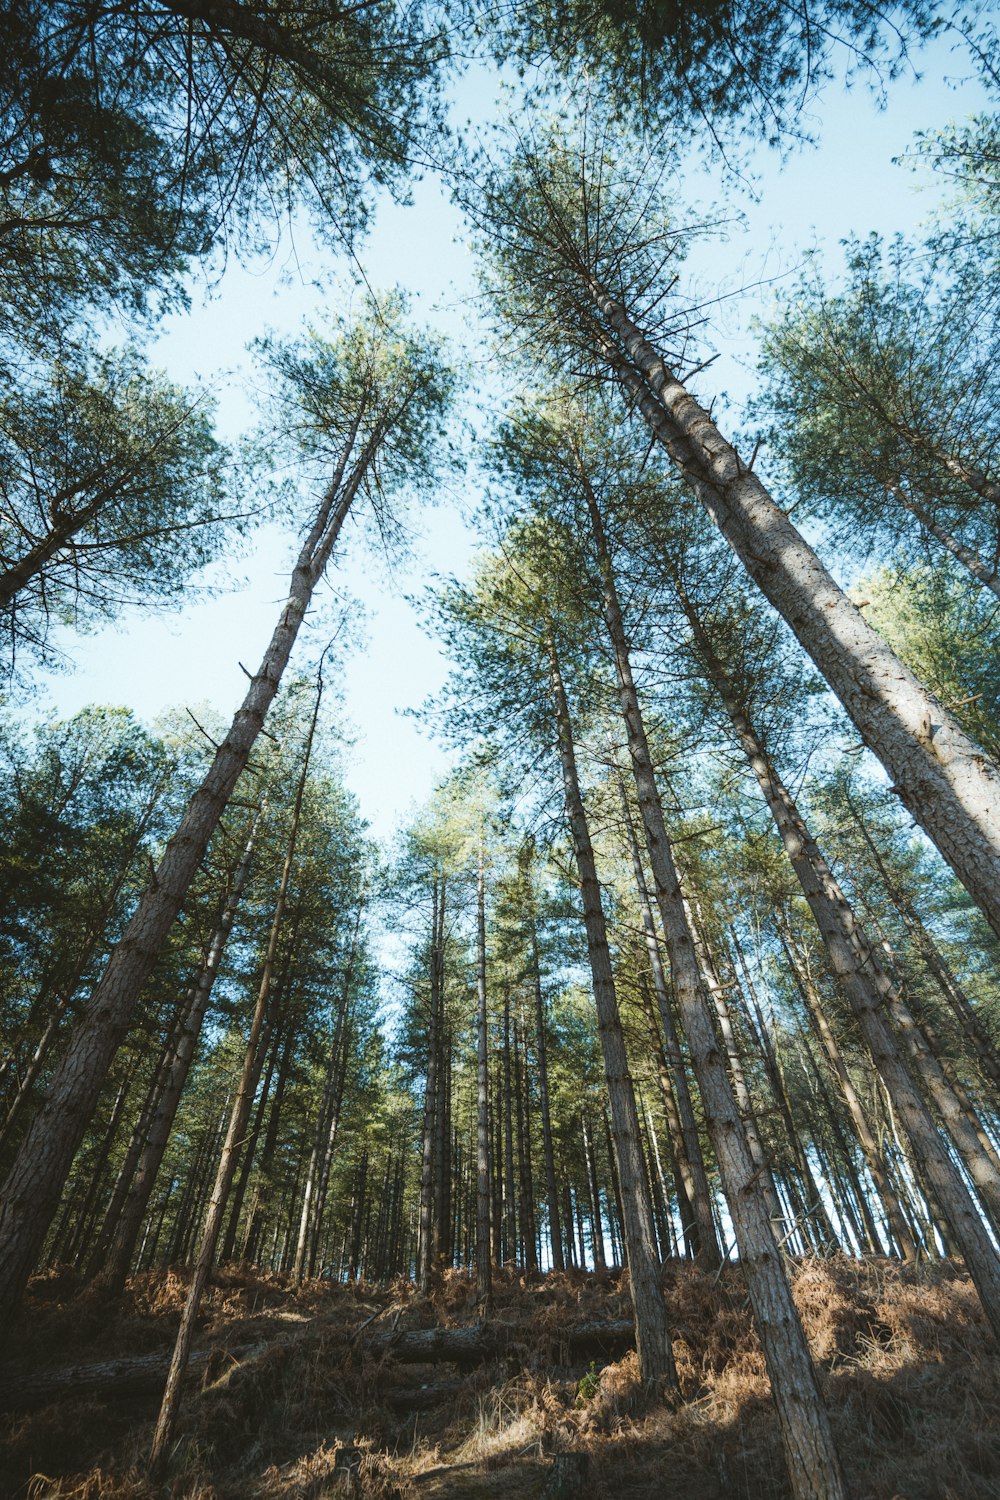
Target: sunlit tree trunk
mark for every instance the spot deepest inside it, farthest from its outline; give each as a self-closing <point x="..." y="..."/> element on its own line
<point x="813" y="1465"/>
<point x="944" y="778"/>
<point x="31" y="1192"/>
<point x="651" y="1329"/>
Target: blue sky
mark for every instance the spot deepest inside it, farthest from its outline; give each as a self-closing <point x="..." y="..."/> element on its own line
<point x="151" y="662"/>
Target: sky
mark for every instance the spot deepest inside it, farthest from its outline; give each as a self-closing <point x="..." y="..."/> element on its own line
<point x="153" y="662"/>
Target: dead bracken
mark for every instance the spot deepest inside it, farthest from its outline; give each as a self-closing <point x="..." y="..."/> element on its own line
<point x="315" y="1404"/>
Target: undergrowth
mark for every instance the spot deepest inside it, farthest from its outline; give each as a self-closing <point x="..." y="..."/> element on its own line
<point x="305" y="1409"/>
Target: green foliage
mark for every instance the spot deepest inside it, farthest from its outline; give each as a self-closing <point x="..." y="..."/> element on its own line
<point x="133" y="136"/>
<point x="733" y="68"/>
<point x="879" y="396"/>
<point x="113" y="492"/>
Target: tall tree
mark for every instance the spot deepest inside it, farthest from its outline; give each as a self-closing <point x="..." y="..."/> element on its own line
<point x="365" y="404"/>
<point x="578" y="255"/>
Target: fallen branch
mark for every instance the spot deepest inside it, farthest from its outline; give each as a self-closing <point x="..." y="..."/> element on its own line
<point x="24" y="1389"/>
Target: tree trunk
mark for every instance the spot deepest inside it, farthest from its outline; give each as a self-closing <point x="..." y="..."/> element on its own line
<point x="552" y="1190"/>
<point x="31" y="1192"/>
<point x="426" y="1211"/>
<point x="945" y="779"/>
<point x="813" y="1465"/>
<point x="959" y="1002"/>
<point x="651" y="1329"/>
<point x="484" y="1274"/>
<point x="699" y="1223"/>
<point x="967" y="556"/>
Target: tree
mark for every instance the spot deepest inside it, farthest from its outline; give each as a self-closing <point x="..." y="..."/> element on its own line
<point x="883" y="402"/>
<point x="733" y="68"/>
<point x="133" y="136"/>
<point x="577" y="251"/>
<point x="111" y="495"/>
<point x="365" y="405"/>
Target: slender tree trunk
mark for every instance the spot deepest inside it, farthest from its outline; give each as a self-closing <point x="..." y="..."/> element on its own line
<point x="651" y="1330"/>
<point x="31" y="1192"/>
<point x="813" y="1465"/>
<point x="699" y="1223"/>
<point x="594" y="1193"/>
<point x="967" y="556"/>
<point x="119" y="1257"/>
<point x="945" y="779"/>
<point x="325" y="1120"/>
<point x="424" y="1255"/>
<point x="509" y="1195"/>
<point x="552" y="1191"/>
<point x="714" y="986"/>
<point x="958" y="1001"/>
<point x="252" y="1060"/>
<point x="484" y="1270"/>
<point x="815" y="1207"/>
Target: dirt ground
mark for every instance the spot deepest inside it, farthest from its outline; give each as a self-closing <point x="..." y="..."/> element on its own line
<point x="294" y="1399"/>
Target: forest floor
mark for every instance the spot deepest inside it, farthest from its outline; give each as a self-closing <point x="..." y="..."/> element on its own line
<point x="299" y="1396"/>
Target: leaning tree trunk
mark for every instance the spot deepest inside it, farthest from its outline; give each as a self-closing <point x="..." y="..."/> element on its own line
<point x="866" y="986"/>
<point x="234" y="1136"/>
<point x="813" y="1465"/>
<point x="943" y="777"/>
<point x="114" y="1270"/>
<point x="989" y="578"/>
<point x="652" y="1333"/>
<point x="687" y="1147"/>
<point x="959" y="1002"/>
<point x="31" y="1193"/>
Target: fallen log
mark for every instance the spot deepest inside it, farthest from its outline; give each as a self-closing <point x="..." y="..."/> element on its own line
<point x="111" y="1379"/>
<point x="24" y="1389"/>
<point x="474" y="1346"/>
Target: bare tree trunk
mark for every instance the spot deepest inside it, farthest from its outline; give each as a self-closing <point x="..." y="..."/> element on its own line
<point x="713" y="984"/>
<point x="31" y="1192"/>
<point x="944" y="778"/>
<point x="651" y="1328"/>
<point x="119" y="1256"/>
<point x="509" y="1195"/>
<point x="311" y="1199"/>
<point x="424" y="1254"/>
<point x="484" y="1269"/>
<point x="967" y="556"/>
<point x="813" y="1464"/>
<point x="699" y="1224"/>
<point x="959" y="1002"/>
<point x="239" y="1116"/>
<point x="815" y="1207"/>
<point x="555" y="1230"/>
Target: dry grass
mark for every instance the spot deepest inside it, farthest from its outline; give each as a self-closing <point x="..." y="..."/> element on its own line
<point x="908" y="1366"/>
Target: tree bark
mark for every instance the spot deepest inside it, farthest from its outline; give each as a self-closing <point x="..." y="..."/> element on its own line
<point x="651" y="1329"/>
<point x="944" y="779"/>
<point x="31" y="1192"/>
<point x="813" y="1465"/>
<point x="699" y="1224"/>
<point x="484" y="1269"/>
